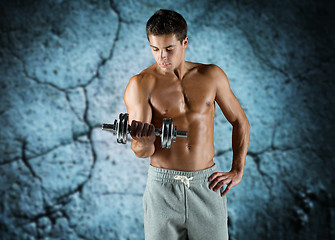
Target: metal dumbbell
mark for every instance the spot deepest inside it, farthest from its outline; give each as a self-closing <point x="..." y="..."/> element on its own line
<point x="122" y="128"/>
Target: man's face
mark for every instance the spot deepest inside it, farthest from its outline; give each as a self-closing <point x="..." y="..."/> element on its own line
<point x="167" y="51"/>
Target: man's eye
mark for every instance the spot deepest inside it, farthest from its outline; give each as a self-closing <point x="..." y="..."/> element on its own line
<point x="155" y="50"/>
<point x="169" y="50"/>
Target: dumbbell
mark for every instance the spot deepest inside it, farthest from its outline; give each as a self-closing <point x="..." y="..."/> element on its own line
<point x="122" y="128"/>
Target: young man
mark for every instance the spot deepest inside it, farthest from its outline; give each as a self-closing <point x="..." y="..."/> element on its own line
<point x="184" y="196"/>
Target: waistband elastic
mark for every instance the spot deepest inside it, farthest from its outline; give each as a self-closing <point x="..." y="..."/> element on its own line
<point x="168" y="175"/>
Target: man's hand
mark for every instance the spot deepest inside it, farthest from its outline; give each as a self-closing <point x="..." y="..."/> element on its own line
<point x="143" y="133"/>
<point x="219" y="179"/>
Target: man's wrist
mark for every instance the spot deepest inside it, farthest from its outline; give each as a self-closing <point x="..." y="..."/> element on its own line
<point x="143" y="150"/>
<point x="237" y="170"/>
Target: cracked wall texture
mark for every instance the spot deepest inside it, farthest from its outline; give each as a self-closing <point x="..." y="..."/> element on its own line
<point x="64" y="66"/>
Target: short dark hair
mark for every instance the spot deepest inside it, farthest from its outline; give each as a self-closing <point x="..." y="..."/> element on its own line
<point x="167" y="22"/>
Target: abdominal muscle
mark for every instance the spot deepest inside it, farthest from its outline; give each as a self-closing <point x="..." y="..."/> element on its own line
<point x="193" y="153"/>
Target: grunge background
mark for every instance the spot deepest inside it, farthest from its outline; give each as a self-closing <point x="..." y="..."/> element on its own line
<point x="64" y="66"/>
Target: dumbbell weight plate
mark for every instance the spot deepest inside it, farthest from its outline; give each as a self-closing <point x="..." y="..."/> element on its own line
<point x="163" y="134"/>
<point x="169" y="135"/>
<point x="123" y="127"/>
<point x="166" y="133"/>
<point x="174" y="134"/>
<point x="115" y="127"/>
<point x="119" y="127"/>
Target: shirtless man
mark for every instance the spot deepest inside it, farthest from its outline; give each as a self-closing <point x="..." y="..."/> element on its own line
<point x="181" y="199"/>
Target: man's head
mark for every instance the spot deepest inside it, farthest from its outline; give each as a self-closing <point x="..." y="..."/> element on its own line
<point x="166" y="22"/>
<point x="167" y="34"/>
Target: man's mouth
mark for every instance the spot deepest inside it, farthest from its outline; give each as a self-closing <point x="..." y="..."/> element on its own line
<point x="164" y="64"/>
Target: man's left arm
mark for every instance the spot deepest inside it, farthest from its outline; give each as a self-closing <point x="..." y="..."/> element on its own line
<point x="234" y="113"/>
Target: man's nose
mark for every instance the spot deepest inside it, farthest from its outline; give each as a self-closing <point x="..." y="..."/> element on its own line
<point x="163" y="54"/>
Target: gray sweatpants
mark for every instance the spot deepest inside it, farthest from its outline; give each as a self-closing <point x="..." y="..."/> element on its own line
<point x="180" y="205"/>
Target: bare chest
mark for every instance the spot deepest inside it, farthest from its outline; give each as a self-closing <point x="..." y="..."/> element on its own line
<point x="174" y="98"/>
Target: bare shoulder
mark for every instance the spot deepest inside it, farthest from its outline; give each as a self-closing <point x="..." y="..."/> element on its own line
<point x="143" y="81"/>
<point x="212" y="70"/>
<point x="213" y="74"/>
<point x="136" y="97"/>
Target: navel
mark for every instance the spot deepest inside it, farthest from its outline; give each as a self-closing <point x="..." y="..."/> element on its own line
<point x="165" y="111"/>
<point x="208" y="103"/>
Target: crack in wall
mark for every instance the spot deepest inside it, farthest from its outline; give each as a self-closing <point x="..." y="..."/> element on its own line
<point x="91" y="80"/>
<point x="65" y="91"/>
<point x="25" y="160"/>
<point x="271" y="148"/>
<point x="24" y="142"/>
<point x="71" y="107"/>
<point x="118" y="13"/>
<point x="94" y="155"/>
<point x="256" y="51"/>
<point x="10" y="161"/>
<point x="52" y="215"/>
<point x="67" y="197"/>
<point x="85" y="116"/>
<point x="60" y="201"/>
<point x="263" y="174"/>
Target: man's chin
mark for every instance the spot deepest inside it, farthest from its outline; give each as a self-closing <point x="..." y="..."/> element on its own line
<point x="165" y="69"/>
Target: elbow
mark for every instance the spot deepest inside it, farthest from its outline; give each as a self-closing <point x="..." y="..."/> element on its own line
<point x="248" y="125"/>
<point x="243" y="124"/>
<point x="247" y="128"/>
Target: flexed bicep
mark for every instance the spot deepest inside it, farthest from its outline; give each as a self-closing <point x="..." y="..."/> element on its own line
<point x="136" y="98"/>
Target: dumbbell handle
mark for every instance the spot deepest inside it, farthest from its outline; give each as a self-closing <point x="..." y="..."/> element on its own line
<point x="158" y="131"/>
<point x="182" y="134"/>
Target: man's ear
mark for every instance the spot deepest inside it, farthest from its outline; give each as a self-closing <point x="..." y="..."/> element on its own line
<point x="185" y="42"/>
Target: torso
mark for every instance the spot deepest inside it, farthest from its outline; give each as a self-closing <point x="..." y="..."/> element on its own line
<point x="190" y="102"/>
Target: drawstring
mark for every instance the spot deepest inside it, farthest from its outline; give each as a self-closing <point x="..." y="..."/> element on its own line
<point x="184" y="180"/>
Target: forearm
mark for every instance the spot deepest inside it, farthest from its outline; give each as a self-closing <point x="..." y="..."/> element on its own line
<point x="142" y="150"/>
<point x="240" y="142"/>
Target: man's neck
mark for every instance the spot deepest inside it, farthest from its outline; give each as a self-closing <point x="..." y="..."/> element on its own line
<point x="181" y="70"/>
<point x="178" y="72"/>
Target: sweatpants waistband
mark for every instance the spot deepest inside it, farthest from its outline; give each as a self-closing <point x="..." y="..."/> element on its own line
<point x="168" y="175"/>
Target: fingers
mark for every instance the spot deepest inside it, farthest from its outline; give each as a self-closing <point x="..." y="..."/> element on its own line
<point x="140" y="129"/>
<point x="229" y="186"/>
<point x="214" y="175"/>
<point x="144" y="132"/>
<point x="217" y="174"/>
<point x="133" y="128"/>
<point x="151" y="130"/>
<point x="218" y="180"/>
<point x="219" y="183"/>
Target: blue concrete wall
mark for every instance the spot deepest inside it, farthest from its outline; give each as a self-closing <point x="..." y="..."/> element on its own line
<point x="64" y="66"/>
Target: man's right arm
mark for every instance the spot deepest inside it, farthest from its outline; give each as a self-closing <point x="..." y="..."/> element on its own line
<point x="136" y="97"/>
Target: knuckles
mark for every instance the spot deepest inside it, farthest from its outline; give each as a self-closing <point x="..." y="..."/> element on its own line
<point x="142" y="131"/>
